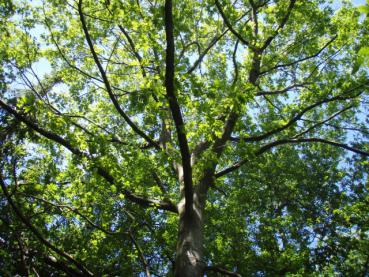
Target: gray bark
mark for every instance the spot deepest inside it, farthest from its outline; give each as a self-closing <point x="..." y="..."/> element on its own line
<point x="189" y="261"/>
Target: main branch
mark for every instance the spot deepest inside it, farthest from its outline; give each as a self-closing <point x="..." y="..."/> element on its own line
<point x="174" y="105"/>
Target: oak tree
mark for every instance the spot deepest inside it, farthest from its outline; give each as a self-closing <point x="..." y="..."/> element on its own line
<point x="183" y="138"/>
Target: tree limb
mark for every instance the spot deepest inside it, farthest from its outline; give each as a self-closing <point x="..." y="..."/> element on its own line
<point x="301" y="140"/>
<point x="43" y="132"/>
<point x="299" y="115"/>
<point x="228" y="128"/>
<point x="268" y="146"/>
<point x="254" y="17"/>
<point x="133" y="47"/>
<point x="323" y="121"/>
<point x="206" y="50"/>
<point x="300" y="60"/>
<point x="280" y="26"/>
<point x="59" y="265"/>
<point x="141" y="254"/>
<point x="281" y="91"/>
<point x="230" y="169"/>
<point x="62" y="54"/>
<point x="174" y="106"/>
<point x="134" y="127"/>
<point x="140" y="200"/>
<point x="228" y="24"/>
<point x="235" y="65"/>
<point x="74" y="210"/>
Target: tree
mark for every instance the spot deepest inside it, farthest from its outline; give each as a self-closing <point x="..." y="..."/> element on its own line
<point x="183" y="138"/>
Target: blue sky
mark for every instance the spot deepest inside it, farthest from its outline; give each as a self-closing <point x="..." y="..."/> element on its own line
<point x="358" y="2"/>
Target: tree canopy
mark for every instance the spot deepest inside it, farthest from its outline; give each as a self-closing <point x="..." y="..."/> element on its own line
<point x="184" y="138"/>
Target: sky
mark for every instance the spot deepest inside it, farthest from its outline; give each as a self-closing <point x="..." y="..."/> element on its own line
<point x="358" y="2"/>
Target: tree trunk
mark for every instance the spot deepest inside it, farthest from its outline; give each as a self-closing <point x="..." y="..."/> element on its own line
<point x="189" y="261"/>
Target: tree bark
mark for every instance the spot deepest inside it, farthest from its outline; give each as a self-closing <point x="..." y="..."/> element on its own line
<point x="189" y="261"/>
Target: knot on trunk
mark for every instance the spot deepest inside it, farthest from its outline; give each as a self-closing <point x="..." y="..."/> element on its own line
<point x="193" y="257"/>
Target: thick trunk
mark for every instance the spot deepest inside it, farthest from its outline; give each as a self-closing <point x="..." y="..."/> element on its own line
<point x="189" y="261"/>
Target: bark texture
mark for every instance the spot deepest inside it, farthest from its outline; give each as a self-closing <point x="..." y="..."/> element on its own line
<point x="189" y="261"/>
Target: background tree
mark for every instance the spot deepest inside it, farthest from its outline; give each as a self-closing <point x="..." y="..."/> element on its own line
<point x="183" y="138"/>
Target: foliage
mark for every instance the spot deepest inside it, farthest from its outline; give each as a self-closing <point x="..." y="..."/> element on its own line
<point x="363" y="53"/>
<point x="266" y="115"/>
